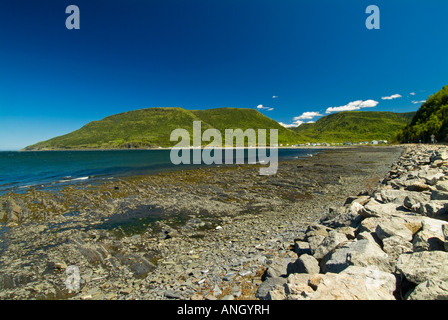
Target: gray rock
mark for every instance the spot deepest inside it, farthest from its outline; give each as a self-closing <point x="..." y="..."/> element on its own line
<point x="170" y="294"/>
<point x="268" y="285"/>
<point x="434" y="225"/>
<point x="375" y="209"/>
<point x="317" y="230"/>
<point x="427" y="241"/>
<point x="358" y="253"/>
<point x="279" y="267"/>
<point x="393" y="227"/>
<point x="418" y="267"/>
<point x="429" y="290"/>
<point x="314" y="242"/>
<point x="304" y="264"/>
<point x="349" y="232"/>
<point x="302" y="247"/>
<point x="390" y="195"/>
<point x="413" y="198"/>
<point x="329" y="243"/>
<point x="439" y="195"/>
<point x="445" y="234"/>
<point x="344" y="219"/>
<point x="432" y="209"/>
<point x="418" y="186"/>
<point x="374" y="278"/>
<point x="431" y="176"/>
<point x="332" y="286"/>
<point x="442" y="185"/>
<point x="395" y="246"/>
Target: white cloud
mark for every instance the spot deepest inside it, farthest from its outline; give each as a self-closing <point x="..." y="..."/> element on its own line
<point x="394" y="96"/>
<point x="308" y="115"/>
<point x="417" y="102"/>
<point x="412" y="93"/>
<point x="260" y="107"/>
<point x="355" y="105"/>
<point x="290" y="125"/>
<point x="274" y="97"/>
<point x="294" y="124"/>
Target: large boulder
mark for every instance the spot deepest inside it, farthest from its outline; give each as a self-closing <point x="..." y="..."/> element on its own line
<point x="432" y="209"/>
<point x="431" y="236"/>
<point x="418" y="267"/>
<point x="395" y="246"/>
<point x="393" y="227"/>
<point x="332" y="286"/>
<point x="361" y="253"/>
<point x="329" y="243"/>
<point x="439" y="195"/>
<point x="268" y="285"/>
<point x="376" y="209"/>
<point x="304" y="264"/>
<point x="344" y="217"/>
<point x="429" y="290"/>
<point x="442" y="185"/>
<point x="279" y="267"/>
<point x="373" y="278"/>
<point x="390" y="195"/>
<point x="413" y="198"/>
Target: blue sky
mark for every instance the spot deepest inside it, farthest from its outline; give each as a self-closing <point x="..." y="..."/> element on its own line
<point x="298" y="59"/>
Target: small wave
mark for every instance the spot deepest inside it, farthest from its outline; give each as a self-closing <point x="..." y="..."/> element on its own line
<point x="27" y="186"/>
<point x="75" y="179"/>
<point x="82" y="178"/>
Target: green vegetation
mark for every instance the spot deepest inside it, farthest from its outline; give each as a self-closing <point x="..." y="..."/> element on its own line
<point x="152" y="127"/>
<point x="237" y="118"/>
<point x="431" y="118"/>
<point x="134" y="129"/>
<point x="354" y="126"/>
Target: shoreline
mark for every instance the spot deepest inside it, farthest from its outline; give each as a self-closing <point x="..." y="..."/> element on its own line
<point x="202" y="147"/>
<point x="208" y="231"/>
<point x="147" y="165"/>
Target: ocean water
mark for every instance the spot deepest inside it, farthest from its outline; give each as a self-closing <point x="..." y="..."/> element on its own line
<point x="21" y="170"/>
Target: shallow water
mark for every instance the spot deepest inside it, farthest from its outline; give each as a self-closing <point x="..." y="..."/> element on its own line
<point x="20" y="171"/>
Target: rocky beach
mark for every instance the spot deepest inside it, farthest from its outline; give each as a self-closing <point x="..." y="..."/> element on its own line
<point x="348" y="223"/>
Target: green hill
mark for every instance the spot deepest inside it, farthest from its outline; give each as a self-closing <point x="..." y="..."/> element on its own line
<point x="431" y="118"/>
<point x="237" y="118"/>
<point x="152" y="127"/>
<point x="354" y="126"/>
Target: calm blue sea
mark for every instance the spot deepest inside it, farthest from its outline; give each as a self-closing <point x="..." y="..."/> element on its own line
<point x="20" y="170"/>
